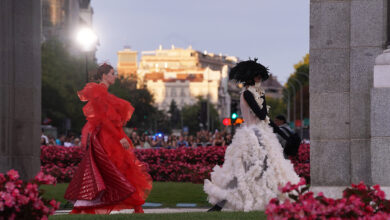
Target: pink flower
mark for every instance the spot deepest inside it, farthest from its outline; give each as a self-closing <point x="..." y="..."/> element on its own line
<point x="23" y="199"/>
<point x="2" y="178"/>
<point x="9" y="186"/>
<point x="302" y="182"/>
<point x="15" y="193"/>
<point x="54" y="204"/>
<point x="13" y="174"/>
<point x="8" y="199"/>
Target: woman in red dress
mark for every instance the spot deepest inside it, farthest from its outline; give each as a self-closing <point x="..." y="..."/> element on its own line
<point x="109" y="176"/>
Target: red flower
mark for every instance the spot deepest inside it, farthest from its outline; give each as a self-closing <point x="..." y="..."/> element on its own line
<point x="13" y="174"/>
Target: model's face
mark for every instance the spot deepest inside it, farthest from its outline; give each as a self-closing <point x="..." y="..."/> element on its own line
<point x="110" y="77"/>
<point x="257" y="79"/>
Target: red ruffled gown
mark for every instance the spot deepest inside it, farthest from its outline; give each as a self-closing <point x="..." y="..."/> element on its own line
<point x="109" y="177"/>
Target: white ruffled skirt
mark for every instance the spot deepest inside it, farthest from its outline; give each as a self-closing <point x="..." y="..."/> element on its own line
<point x="253" y="170"/>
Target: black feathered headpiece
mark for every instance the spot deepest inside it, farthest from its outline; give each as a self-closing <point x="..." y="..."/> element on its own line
<point x="246" y="71"/>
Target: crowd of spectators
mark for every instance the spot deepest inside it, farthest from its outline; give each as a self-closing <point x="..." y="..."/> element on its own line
<point x="202" y="138"/>
<point x="63" y="140"/>
<point x="144" y="141"/>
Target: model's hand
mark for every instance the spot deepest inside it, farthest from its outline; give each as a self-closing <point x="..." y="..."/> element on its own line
<point x="125" y="143"/>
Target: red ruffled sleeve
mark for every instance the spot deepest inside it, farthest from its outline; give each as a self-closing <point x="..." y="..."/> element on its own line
<point x="105" y="109"/>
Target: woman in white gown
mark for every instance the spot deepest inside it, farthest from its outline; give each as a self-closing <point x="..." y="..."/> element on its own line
<point x="254" y="165"/>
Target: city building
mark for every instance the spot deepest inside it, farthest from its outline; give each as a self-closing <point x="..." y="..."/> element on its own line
<point x="185" y="74"/>
<point x="272" y="87"/>
<point x="127" y="63"/>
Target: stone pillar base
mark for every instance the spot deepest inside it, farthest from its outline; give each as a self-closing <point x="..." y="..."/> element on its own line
<point x="336" y="192"/>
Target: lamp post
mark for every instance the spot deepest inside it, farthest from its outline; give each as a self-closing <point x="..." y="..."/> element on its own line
<point x="301" y="100"/>
<point x="288" y="104"/>
<point x="295" y="107"/>
<point x="87" y="39"/>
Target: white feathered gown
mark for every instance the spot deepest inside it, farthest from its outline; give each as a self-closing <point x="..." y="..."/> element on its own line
<point x="254" y="165"/>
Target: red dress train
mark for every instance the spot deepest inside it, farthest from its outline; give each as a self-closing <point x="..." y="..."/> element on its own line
<point x="109" y="177"/>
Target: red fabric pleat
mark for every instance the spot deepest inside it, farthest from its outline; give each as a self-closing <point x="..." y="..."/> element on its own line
<point x="97" y="173"/>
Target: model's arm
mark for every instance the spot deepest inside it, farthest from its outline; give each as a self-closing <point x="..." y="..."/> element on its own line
<point x="261" y="113"/>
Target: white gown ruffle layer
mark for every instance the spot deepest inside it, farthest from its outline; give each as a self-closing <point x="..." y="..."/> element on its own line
<point x="253" y="169"/>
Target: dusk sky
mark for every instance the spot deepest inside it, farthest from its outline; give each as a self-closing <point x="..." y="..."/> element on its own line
<point x="274" y="31"/>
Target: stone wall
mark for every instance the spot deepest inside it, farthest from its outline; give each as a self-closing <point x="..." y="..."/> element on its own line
<point x="20" y="86"/>
<point x="345" y="38"/>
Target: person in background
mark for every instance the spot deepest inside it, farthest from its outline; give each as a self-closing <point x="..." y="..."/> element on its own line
<point x="43" y="141"/>
<point x="218" y="140"/>
<point x="182" y="142"/>
<point x="44" y="137"/>
<point x="281" y="122"/>
<point x="68" y="142"/>
<point x="60" y="140"/>
<point x="191" y="141"/>
<point x="77" y="142"/>
<point x="136" y="140"/>
<point x="228" y="139"/>
<point x="52" y="141"/>
<point x="158" y="142"/>
<point x="147" y="143"/>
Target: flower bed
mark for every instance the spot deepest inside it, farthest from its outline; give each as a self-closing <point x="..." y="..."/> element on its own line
<point x="60" y="162"/>
<point x="182" y="164"/>
<point x="23" y="200"/>
<point x="177" y="165"/>
<point x="358" y="202"/>
<point x="302" y="162"/>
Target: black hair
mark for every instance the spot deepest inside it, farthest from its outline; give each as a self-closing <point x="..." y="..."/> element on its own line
<point x="281" y="118"/>
<point x="246" y="71"/>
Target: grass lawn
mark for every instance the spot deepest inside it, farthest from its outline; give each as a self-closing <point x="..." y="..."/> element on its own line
<point x="187" y="216"/>
<point x="166" y="193"/>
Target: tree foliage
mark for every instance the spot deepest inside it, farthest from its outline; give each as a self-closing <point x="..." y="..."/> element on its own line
<point x="62" y="76"/>
<point x="300" y="74"/>
<point x="174" y="113"/>
<point x="278" y="107"/>
<point x="146" y="116"/>
<point x="190" y="115"/>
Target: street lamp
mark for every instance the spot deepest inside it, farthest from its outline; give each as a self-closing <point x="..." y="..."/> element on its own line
<point x="87" y="39"/>
<point x="301" y="103"/>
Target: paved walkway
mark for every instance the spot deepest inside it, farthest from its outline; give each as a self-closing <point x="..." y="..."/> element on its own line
<point x="159" y="210"/>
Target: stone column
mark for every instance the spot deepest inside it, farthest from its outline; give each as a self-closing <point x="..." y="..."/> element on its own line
<point x="20" y="86"/>
<point x="345" y="38"/>
<point x="380" y="122"/>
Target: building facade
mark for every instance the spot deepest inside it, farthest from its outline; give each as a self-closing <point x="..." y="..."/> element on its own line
<point x="127" y="63"/>
<point x="185" y="74"/>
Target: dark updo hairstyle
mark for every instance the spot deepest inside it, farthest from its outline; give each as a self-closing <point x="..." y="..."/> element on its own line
<point x="245" y="72"/>
<point x="103" y="69"/>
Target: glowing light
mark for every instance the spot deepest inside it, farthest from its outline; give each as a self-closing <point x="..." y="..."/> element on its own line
<point x="86" y="38"/>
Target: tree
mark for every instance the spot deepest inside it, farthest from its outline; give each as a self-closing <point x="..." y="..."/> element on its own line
<point x="146" y="117"/>
<point x="174" y="113"/>
<point x="190" y="116"/>
<point x="278" y="107"/>
<point x="62" y="76"/>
